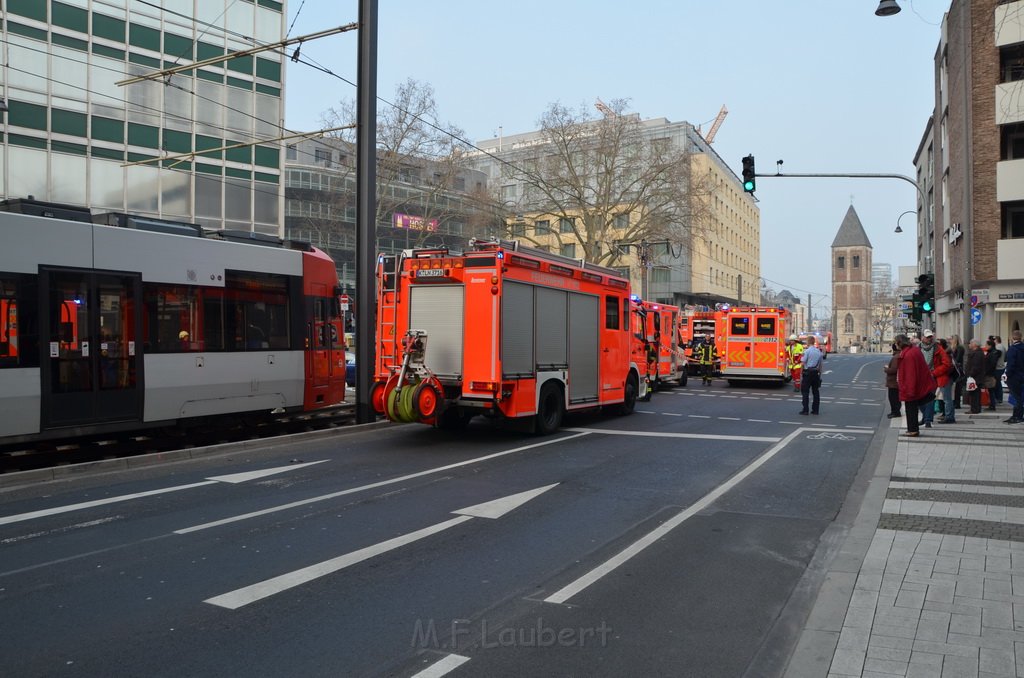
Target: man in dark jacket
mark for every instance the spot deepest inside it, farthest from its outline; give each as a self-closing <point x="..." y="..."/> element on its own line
<point x="915" y="381"/>
<point x="1015" y="376"/>
<point x="974" y="367"/>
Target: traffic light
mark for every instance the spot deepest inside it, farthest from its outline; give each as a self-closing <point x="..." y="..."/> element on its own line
<point x="926" y="292"/>
<point x="749" y="185"/>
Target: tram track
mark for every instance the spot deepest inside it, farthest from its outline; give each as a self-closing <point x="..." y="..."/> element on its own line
<point x="75" y="450"/>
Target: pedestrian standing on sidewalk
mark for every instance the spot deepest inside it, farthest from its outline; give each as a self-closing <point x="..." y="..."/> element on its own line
<point x="928" y="348"/>
<point x="915" y="380"/>
<point x="1000" y="369"/>
<point x="992" y="355"/>
<point x="974" y="368"/>
<point x="890" y="382"/>
<point x="956" y="352"/>
<point x="945" y="376"/>
<point x="1015" y="376"/>
<point x="811" y="375"/>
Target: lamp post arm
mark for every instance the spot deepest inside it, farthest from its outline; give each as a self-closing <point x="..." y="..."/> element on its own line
<point x="850" y="175"/>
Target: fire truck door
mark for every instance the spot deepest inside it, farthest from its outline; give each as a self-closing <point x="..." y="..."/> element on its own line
<point x="438" y="310"/>
<point x="739" y="346"/>
<point x="584" y="326"/>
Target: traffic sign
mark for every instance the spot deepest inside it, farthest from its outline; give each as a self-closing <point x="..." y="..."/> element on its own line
<point x="906" y="305"/>
<point x="974" y="300"/>
<point x="975" y="316"/>
<point x="902" y="315"/>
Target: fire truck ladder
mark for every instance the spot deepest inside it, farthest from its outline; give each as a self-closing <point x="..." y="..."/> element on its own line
<point x="387" y="299"/>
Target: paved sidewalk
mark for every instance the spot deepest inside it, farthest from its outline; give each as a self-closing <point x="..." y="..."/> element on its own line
<point x="929" y="580"/>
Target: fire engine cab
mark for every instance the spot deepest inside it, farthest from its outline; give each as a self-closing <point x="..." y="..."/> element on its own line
<point x="501" y="330"/>
<point x="752" y="342"/>
<point x="657" y="344"/>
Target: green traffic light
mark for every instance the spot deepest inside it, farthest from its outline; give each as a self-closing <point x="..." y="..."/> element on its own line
<point x="748" y="186"/>
<point x="926" y="307"/>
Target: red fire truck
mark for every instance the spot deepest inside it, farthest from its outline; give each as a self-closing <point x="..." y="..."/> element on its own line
<point x="657" y="344"/>
<point x="501" y="330"/>
<point x="752" y="342"/>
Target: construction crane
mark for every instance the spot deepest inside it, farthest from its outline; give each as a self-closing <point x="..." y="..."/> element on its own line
<point x="603" y="107"/>
<point x="716" y="124"/>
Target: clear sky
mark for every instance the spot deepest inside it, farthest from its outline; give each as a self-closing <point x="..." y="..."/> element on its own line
<point x="824" y="85"/>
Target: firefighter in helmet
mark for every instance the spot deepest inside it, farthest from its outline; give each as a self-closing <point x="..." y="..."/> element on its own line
<point x="795" y="350"/>
<point x="706" y="356"/>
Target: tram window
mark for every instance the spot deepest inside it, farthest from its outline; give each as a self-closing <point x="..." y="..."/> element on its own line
<point x="173" y="321"/>
<point x="256" y="311"/>
<point x="19" y="321"/>
<point x="765" y="327"/>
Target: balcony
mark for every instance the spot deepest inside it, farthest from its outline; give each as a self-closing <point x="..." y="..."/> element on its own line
<point x="1009" y="23"/>
<point x="1010" y="180"/>
<point x="1010" y="258"/>
<point x="1008" y="101"/>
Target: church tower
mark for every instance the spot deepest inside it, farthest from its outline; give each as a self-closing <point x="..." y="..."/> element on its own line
<point x="851" y="285"/>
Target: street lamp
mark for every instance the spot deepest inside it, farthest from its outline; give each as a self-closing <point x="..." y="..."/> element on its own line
<point x="898" y="229"/>
<point x="887" y="8"/>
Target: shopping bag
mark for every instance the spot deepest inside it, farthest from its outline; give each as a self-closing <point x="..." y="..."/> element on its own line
<point x="972" y="385"/>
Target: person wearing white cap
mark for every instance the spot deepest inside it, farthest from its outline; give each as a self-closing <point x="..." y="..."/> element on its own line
<point x="927" y="347"/>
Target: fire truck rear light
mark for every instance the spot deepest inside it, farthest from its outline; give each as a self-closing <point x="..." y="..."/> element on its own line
<point x="436" y="264"/>
<point x="457" y="264"/>
<point x="490" y="386"/>
<point x="494" y="280"/>
<point x="494" y="289"/>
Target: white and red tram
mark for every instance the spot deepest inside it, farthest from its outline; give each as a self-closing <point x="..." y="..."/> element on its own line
<point x="150" y="323"/>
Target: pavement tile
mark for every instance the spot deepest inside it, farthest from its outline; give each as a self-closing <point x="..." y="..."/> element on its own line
<point x="885" y="666"/>
<point x="848" y="662"/>
<point x="891" y="653"/>
<point x="945" y="649"/>
<point x="960" y="667"/>
<point x="891" y="642"/>
<point x="968" y="625"/>
<point x="854" y="639"/>
<point x="896" y="631"/>
<point x="1000" y="662"/>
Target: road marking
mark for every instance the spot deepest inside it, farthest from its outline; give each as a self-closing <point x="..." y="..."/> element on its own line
<point x="232" y="478"/>
<point x="567" y="592"/>
<point x="699" y="416"/>
<point x="731" y="418"/>
<point x="250" y="594"/>
<point x="443" y="667"/>
<point x="728" y="396"/>
<point x="794" y="423"/>
<point x="672" y="414"/>
<point x="760" y="421"/>
<point x="371" y="486"/>
<point x="664" y="434"/>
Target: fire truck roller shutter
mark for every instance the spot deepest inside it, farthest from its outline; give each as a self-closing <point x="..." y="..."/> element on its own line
<point x="552" y="329"/>
<point x="584" y="327"/>
<point x="517" y="330"/>
<point x="438" y="311"/>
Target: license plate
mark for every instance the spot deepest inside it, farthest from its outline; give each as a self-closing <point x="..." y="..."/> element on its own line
<point x="430" y="273"/>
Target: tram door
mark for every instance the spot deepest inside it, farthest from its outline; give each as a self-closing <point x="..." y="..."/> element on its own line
<point x="91" y="367"/>
<point x="325" y="347"/>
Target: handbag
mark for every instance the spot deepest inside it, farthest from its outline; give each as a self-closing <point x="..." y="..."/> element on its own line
<point x="972" y="385"/>
<point x="990" y="382"/>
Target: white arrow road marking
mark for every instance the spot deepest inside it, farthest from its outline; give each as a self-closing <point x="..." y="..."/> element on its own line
<point x="236" y="478"/>
<point x="667" y="434"/>
<point x="372" y="486"/>
<point x="250" y="594"/>
<point x="233" y="478"/>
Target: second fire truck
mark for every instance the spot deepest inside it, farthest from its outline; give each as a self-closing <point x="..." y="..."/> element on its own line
<point x="501" y="330"/>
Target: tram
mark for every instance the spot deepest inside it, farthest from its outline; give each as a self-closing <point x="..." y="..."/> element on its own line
<point x="113" y="322"/>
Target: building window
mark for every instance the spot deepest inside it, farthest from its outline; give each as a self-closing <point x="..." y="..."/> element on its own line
<point x="1011" y="63"/>
<point x="848" y="323"/>
<point x="1012" y="141"/>
<point x="565" y="225"/>
<point x="568" y="250"/>
<point x="856" y="261"/>
<point x="1013" y="219"/>
<point x="291" y="153"/>
<point x="323" y="155"/>
<point x="542" y="227"/>
<point x="622" y="221"/>
<point x="661" y="274"/>
<point x="841" y="263"/>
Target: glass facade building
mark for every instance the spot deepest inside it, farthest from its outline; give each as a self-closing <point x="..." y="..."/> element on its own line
<point x="71" y="133"/>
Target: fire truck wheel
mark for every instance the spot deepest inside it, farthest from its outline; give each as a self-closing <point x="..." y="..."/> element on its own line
<point x="682" y="378"/>
<point x="549" y="409"/>
<point x="425" y="399"/>
<point x="632" y="387"/>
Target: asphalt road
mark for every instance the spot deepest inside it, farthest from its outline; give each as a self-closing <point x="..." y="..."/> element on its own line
<point x="666" y="543"/>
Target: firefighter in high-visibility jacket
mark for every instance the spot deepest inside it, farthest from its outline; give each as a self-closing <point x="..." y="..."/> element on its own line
<point x="706" y="355"/>
<point x="795" y="349"/>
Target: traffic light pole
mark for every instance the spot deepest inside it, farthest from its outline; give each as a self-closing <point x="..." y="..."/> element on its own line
<point x="851" y="175"/>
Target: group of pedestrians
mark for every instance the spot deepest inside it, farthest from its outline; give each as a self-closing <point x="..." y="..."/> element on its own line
<point x="922" y="371"/>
